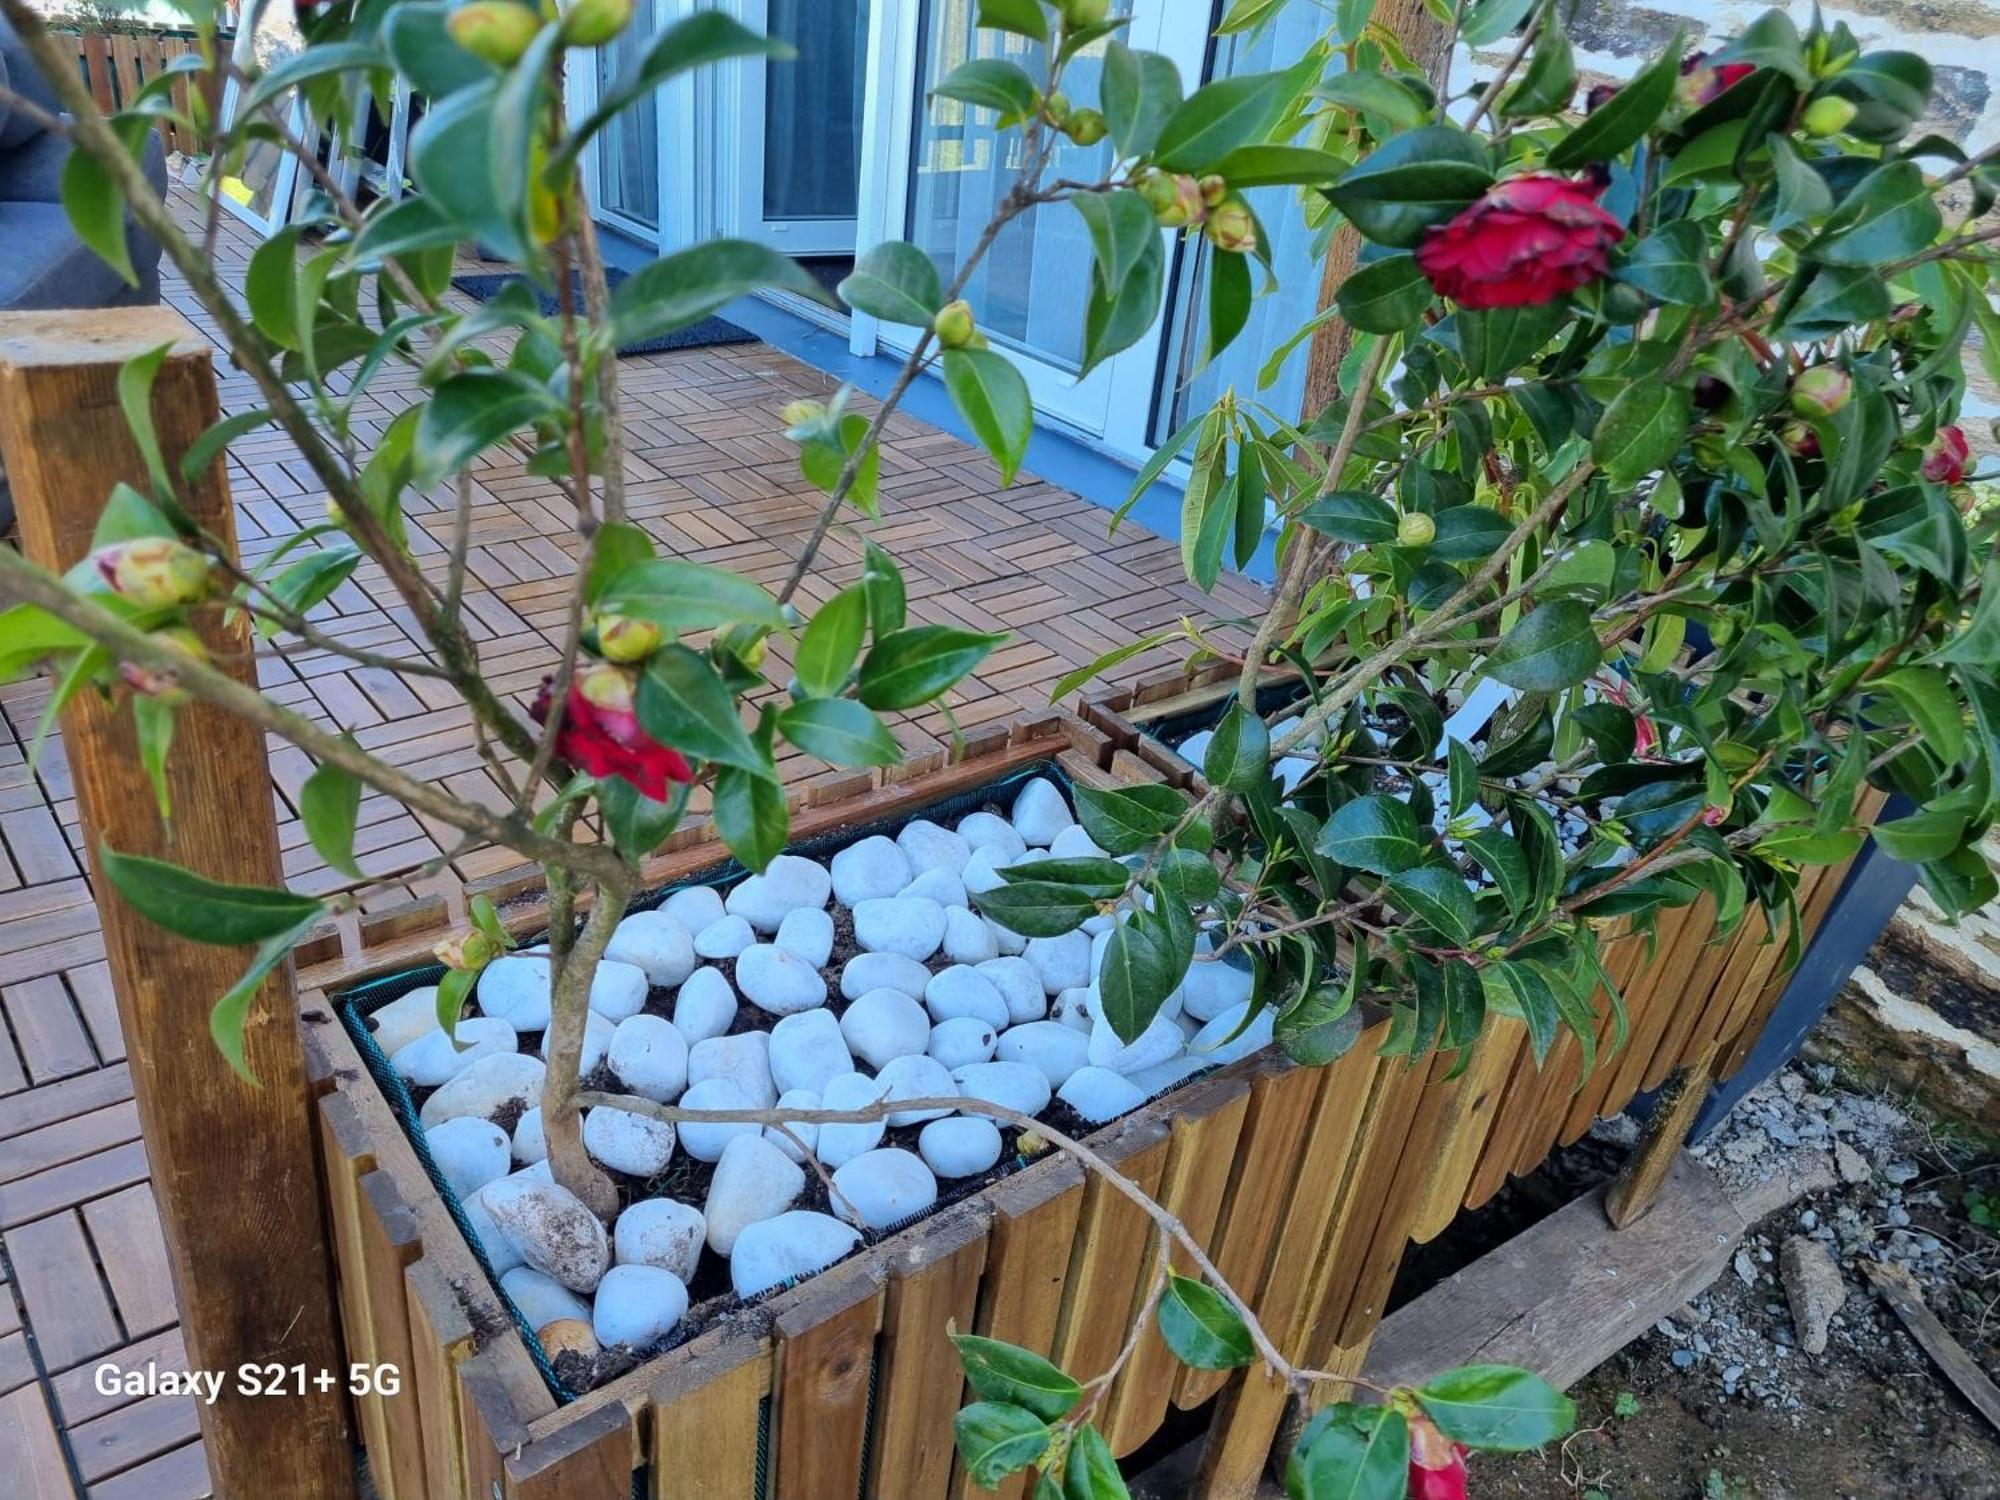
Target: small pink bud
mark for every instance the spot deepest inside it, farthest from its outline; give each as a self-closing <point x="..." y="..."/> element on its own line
<point x="1822" y="391"/>
<point x="153" y="572"/>
<point x="164" y="683"/>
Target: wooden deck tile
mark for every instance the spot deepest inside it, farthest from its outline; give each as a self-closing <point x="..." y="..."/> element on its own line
<point x="68" y="1309"/>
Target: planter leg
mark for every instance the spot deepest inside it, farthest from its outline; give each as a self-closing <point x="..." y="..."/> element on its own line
<point x="1639" y="1181"/>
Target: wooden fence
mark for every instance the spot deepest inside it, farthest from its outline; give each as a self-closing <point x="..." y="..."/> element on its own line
<point x="117" y="65"/>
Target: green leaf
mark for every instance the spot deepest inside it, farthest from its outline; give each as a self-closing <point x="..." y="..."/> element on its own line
<point x="679" y="290"/>
<point x="1091" y="1472"/>
<point x="329" y="802"/>
<point x="1497" y="1408"/>
<point x="1641" y="430"/>
<point x="618" y="545"/>
<point x="996" y="1438"/>
<point x="1009" y="1374"/>
<point x="1122" y="819"/>
<point x="1143" y="963"/>
<point x="1497" y="341"/>
<point x="1624" y="119"/>
<point x="424" y="52"/>
<point x="472" y="411"/>
<point x="451" y="157"/>
<point x="1351" y="516"/>
<point x="1671" y="265"/>
<point x="993" y="398"/>
<point x="1770" y="41"/>
<point x="269" y="284"/>
<point x="1229" y="297"/>
<point x="1385" y="296"/>
<point x="231" y="1014"/>
<point x="1121" y="226"/>
<point x="1835" y="299"/>
<point x="1037" y="908"/>
<point x="1487" y="21"/>
<point x="1219" y="117"/>
<point x="910" y="667"/>
<point x="1924" y="693"/>
<point x="992" y="83"/>
<point x="681" y="702"/>
<point x="93" y="204"/>
<point x="153" y="721"/>
<point x="28" y="635"/>
<point x="895" y="282"/>
<point x="1117" y="318"/>
<point x="135" y="399"/>
<point x="215" y="441"/>
<point x="1923" y="836"/>
<point x="882" y="582"/>
<point x="128" y="516"/>
<point x="1548" y="84"/>
<point x="1378" y="94"/>
<point x="321" y="60"/>
<point x="1022" y="17"/>
<point x="637" y="823"/>
<point x="706" y="37"/>
<point x="1375" y="833"/>
<point x="1469" y="533"/>
<point x="831" y="643"/>
<point x="1102" y="879"/>
<point x="1351" y="1452"/>
<point x="199" y="909"/>
<point x="1515" y="989"/>
<point x="1503" y="859"/>
<point x="1239" y="751"/>
<point x="1803" y="194"/>
<point x="1276" y="165"/>
<point x="1417" y="179"/>
<point x="1074" y="680"/>
<point x="1890" y="214"/>
<point x="1551" y="648"/>
<point x="683" y="597"/>
<point x="1437" y="896"/>
<point x="751" y="816"/>
<point x="840" y="732"/>
<point x="1138" y="91"/>
<point x="1201" y="1328"/>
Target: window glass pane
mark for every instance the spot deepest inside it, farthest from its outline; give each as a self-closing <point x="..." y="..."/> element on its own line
<point x="1030" y="290"/>
<point x="628" y="150"/>
<point x="812" y="110"/>
<point x="255" y="184"/>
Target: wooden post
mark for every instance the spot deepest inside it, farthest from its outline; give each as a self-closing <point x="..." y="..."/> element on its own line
<point x="233" y="1166"/>
<point x="1639" y="1181"/>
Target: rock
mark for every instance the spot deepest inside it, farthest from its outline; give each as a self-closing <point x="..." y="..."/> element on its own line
<point x="486" y="1088"/>
<point x="650" y="1057"/>
<point x="920" y="1077"/>
<point x="910" y="925"/>
<point x="706" y="1006"/>
<point x="885" y="1024"/>
<point x="941" y="886"/>
<point x="771" y="1252"/>
<point x="960" y="1043"/>
<point x="788" y="883"/>
<point x="660" y="1232"/>
<point x="807" y="933"/>
<point x="982" y="872"/>
<point x="551" y="1229"/>
<point x="1161" y="1041"/>
<point x="433" y="1058"/>
<point x="470" y="1153"/>
<point x="964" y="991"/>
<point x="498" y="1249"/>
<point x="597" y="1034"/>
<point x="404" y="1019"/>
<point x="870" y="869"/>
<point x="1061" y="963"/>
<point x="1098" y="1094"/>
<point x="959" y="1147"/>
<point x="567" y="1336"/>
<point x="807" y="1049"/>
<point x="657" y="944"/>
<point x="694" y="906"/>
<point x="1213" y="986"/>
<point x="724" y="939"/>
<point x="1212" y="1045"/>
<point x="883" y="971"/>
<point x="744" y="1059"/>
<point x="778" y="981"/>
<point x="1074" y="843"/>
<point x="1041" y="812"/>
<point x="1050" y="1047"/>
<point x="1019" y="986"/>
<point x="515" y="988"/>
<point x="617" y="990"/>
<point x="626" y="1142"/>
<point x="1851" y="1164"/>
<point x="530" y="1145"/>
<point x="985" y="830"/>
<point x="542" y="1300"/>
<point x="1018" y="1086"/>
<point x="1157" y="1079"/>
<point x="753" y="1180"/>
<point x="968" y="937"/>
<point x="1006" y="941"/>
<point x="795" y="1134"/>
<point x="637" y="1306"/>
<point x="1813" y="1287"/>
<point x="705" y="1141"/>
<point x="842" y="1143"/>
<point x="1076" y="1009"/>
<point x="879" y="1189"/>
<point x="929" y="847"/>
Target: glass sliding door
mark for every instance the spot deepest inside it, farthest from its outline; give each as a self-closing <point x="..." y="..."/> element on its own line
<point x="800" y="167"/>
<point x="628" y="150"/>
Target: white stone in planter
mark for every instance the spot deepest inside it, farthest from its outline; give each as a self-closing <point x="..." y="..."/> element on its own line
<point x="530" y="1143"/>
<point x="724" y="939"/>
<point x="982" y="871"/>
<point x="778" y="981"/>
<point x="961" y="1147"/>
<point x="1053" y="1048"/>
<point x="1211" y="1043"/>
<point x="1076" y="1009"/>
<point x="807" y="1135"/>
<point x="1194" y="749"/>
<point x="885" y="1024"/>
<point x="790" y="882"/>
<point x="515" y="988"/>
<point x="404" y="1019"/>
<point x="660" y="1232"/>
<point x="869" y="869"/>
<point x="1292" y="770"/>
<point x="882" y="1188"/>
<point x="1063" y="962"/>
<point x="985" y="830"/>
<point x="617" y="990"/>
<point x="694" y="907"/>
<point x="627" y="1142"/>
<point x="964" y="991"/>
<point x="706" y="1005"/>
<point x="772" y="1252"/>
<point x="920" y="1077"/>
<point x="1041" y="812"/>
<point x="808" y="1049"/>
<point x="1018" y="1086"/>
<point x="542" y="1300"/>
<point x="910" y="925"/>
<point x="597" y="1034"/>
<point x="1160" y="1041"/>
<point x="1098" y="1094"/>
<point x="960" y="1043"/>
<point x="882" y="971"/>
<point x="941" y="886"/>
<point x="434" y="1059"/>
<point x="705" y="1141"/>
<point x="841" y="1143"/>
<point x="551" y="1228"/>
<point x="500" y="1251"/>
<point x="637" y="1305"/>
<point x="1074" y="843"/>
<point x="930" y="847"/>
<point x="753" y="1180"/>
<point x="1006" y="941"/>
<point x="807" y="933"/>
<point x="486" y="1088"/>
<point x="470" y="1153"/>
<point x="1159" y="1078"/>
<point x="658" y="945"/>
<point x="967" y="937"/>
<point x="744" y="1059"/>
<point x="650" y="1057"/>
<point x="1019" y="985"/>
<point x="1212" y="986"/>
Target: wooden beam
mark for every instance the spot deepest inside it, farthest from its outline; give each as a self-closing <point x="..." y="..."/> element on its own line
<point x="1632" y="1192"/>
<point x="233" y="1166"/>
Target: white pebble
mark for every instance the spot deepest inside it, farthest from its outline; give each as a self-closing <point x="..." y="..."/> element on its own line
<point x="486" y="1089"/>
<point x="985" y="830"/>
<point x="1212" y="986"/>
<point x="638" y="1306"/>
<point x="1018" y="1086"/>
<point x="793" y="1134"/>
<point x="982" y="872"/>
<point x="807" y="1049"/>
<point x="868" y="869"/>
<point x="704" y="1140"/>
<point x="470" y="1153"/>
<point x="650" y="1057"/>
<point x="1076" y="1009"/>
<point x="515" y="988"/>
<point x="658" y="944"/>
<point x="921" y="1077"/>
<point x="706" y="1006"/>
<point x="1006" y="941"/>
<point x="964" y="991"/>
<point x="1040" y="812"/>
<point x="530" y="1144"/>
<point x="433" y="1059"/>
<point x="1098" y="1094"/>
<point x="744" y="1059"/>
<point x="753" y="1180"/>
<point x="910" y="925"/>
<point x="882" y="971"/>
<point x="777" y="980"/>
<point x="959" y="1043"/>
<point x="788" y="883"/>
<point x="550" y="1227"/>
<point x="628" y="1142"/>
<point x="694" y="906"/>
<point x="1063" y="962"/>
<point x="807" y="932"/>
<point x="1049" y="1046"/>
<point x="617" y="990"/>
<point x="941" y="886"/>
<point x="542" y="1300"/>
<point x="930" y="847"/>
<point x="1074" y="843"/>
<point x="1213" y="1043"/>
<point x="959" y="1147"/>
<point x="840" y="1143"/>
<point x="885" y="1024"/>
<point x="879" y="1189"/>
<point x="597" y="1034"/>
<point x="1019" y="986"/>
<point x="404" y="1019"/>
<point x="660" y="1232"/>
<point x="724" y="939"/>
<point x="1158" y="1042"/>
<point x="968" y="939"/>
<point x="771" y="1252"/>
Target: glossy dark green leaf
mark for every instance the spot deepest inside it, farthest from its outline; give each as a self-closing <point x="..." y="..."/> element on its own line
<point x="1037" y="908"/>
<point x="203" y="910"/>
<point x="991" y="83"/>
<point x="230" y="1015"/>
<point x="882" y="582"/>
<point x="681" y="702"/>
<point x="1277" y="165"/>
<point x="1468" y="533"/>
<point x="997" y="1438"/>
<point x="831" y="643"/>
<point x="1122" y="819"/>
<point x="1021" y="17"/>
<point x="1671" y="265"/>
<point x="1415" y="180"/>
<point x="1118" y="316"/>
<point x="1138" y="92"/>
<point x="1551" y="648"/>
<point x="1099" y="878"/>
<point x="1239" y="751"/>
<point x="684" y="597"/>
<point x="912" y="666"/>
<point x="1351" y="516"/>
<point x="638" y="824"/>
<point x="840" y="732"/>
<point x="1385" y="296"/>
<point x="329" y="801"/>
<point x="472" y="411"/>
<point x="1143" y="964"/>
<point x="677" y="291"/>
<point x="424" y="52"/>
<point x="1121" y="226"/>
<point x="1641" y="430"/>
<point x="1390" y="99"/>
<point x="1201" y="1328"/>
<point x="1497" y="341"/>
<point x="993" y="398"/>
<point x="1487" y="21"/>
<point x="896" y="282"/>
<point x="1624" y="119"/>
<point x="1497" y="1408"/>
<point x="1350" y="1452"/>
<point x="93" y="204"/>
<point x="1003" y="1372"/>
<point x="1436" y="895"/>
<point x="1375" y="833"/>
<point x="751" y="816"/>
<point x="1229" y="298"/>
<point x="1090" y="1472"/>
<point x="1547" y="85"/>
<point x="1219" y="117"/>
<point x="700" y="40"/>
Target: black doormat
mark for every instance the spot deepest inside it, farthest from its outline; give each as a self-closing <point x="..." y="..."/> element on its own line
<point x="709" y="331"/>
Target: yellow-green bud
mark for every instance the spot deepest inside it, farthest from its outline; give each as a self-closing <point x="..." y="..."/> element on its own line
<point x="592" y="23"/>
<point x="496" y="31"/>
<point x="1056" y="107"/>
<point x="468" y="952"/>
<point x="1086" y="127"/>
<point x="802" y="413"/>
<point x="623" y="639"/>
<point x="1415" y="529"/>
<point x="1821" y="391"/>
<point x="954" y="324"/>
<point x="153" y="572"/>
<point x="1828" y="115"/>
<point x="1213" y="190"/>
<point x="1162" y="196"/>
<point x="1233" y="227"/>
<point x="1084" y="12"/>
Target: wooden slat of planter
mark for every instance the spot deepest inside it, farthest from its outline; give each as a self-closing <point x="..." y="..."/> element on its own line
<point x="440" y="1337"/>
<point x="486" y="1413"/>
<point x="389" y="1246"/>
<point x="588" y="1458"/>
<point x="825" y="1360"/>
<point x="1621" y="959"/>
<point x="1111" y="1257"/>
<point x="1654" y="992"/>
<point x="1556" y="1086"/>
<point x="1201" y="1157"/>
<point x="1700" y="995"/>
<point x="349" y="1154"/>
<point x="1496" y="1156"/>
<point x="705" y="1418"/>
<point x="933" y="1285"/>
<point x="1464" y="1133"/>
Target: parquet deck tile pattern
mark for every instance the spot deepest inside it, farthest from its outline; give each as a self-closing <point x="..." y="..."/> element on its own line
<point x="84" y="1270"/>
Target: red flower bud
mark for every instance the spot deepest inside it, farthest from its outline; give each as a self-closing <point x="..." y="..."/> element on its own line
<point x="1700" y="84"/>
<point x="1528" y="241"/>
<point x="1948" y="456"/>
<point x="601" y="733"/>
<point x="153" y="572"/>
<point x="1437" y="1464"/>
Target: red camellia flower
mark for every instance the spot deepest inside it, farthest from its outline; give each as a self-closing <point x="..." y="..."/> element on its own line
<point x="1437" y="1464"/>
<point x="1946" y="459"/>
<point x="1530" y="240"/>
<point x="1701" y="84"/>
<point x="601" y="734"/>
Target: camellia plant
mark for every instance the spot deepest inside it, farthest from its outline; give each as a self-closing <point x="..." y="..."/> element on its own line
<point x="1638" y="543"/>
